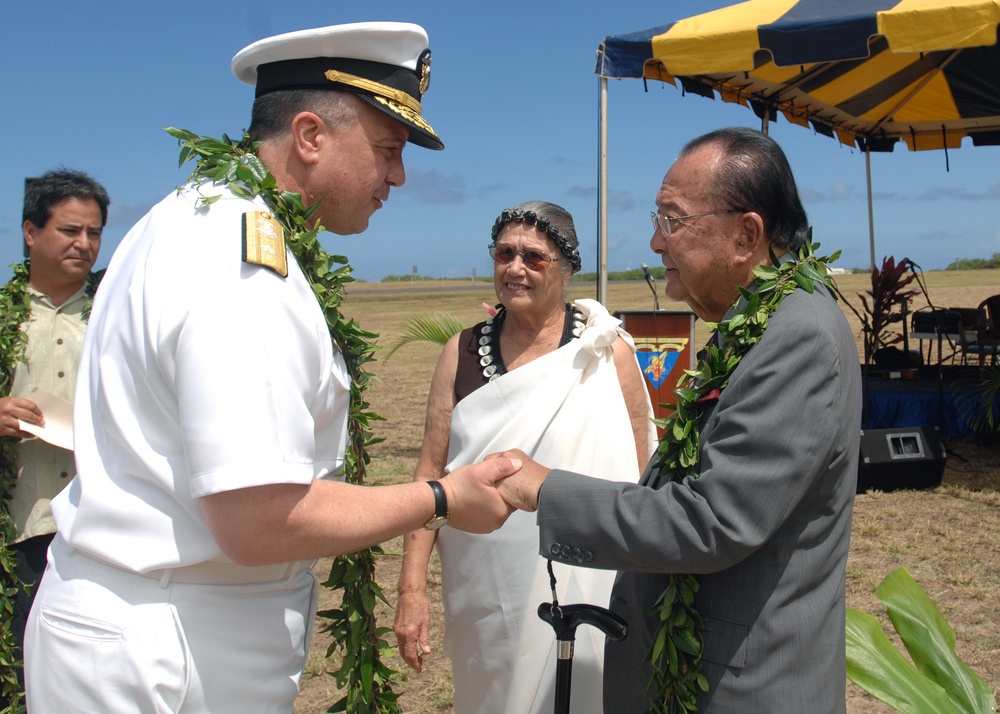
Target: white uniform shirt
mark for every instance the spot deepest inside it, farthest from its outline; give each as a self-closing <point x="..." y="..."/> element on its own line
<point x="200" y="374"/>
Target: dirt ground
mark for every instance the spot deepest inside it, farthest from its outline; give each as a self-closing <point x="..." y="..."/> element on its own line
<point x="948" y="537"/>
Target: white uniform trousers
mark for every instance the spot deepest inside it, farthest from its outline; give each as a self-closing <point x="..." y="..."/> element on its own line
<point x="100" y="639"/>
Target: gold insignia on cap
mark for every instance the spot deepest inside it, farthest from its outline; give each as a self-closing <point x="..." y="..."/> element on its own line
<point x="406" y="113"/>
<point x="425" y="72"/>
<point x="376" y="88"/>
<point x="264" y="242"/>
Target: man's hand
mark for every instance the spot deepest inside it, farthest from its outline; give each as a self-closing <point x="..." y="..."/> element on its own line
<point x="14" y="408"/>
<point x="521" y="489"/>
<point x="474" y="505"/>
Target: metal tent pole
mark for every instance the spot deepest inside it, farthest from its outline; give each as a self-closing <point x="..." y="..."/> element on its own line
<point x="871" y="212"/>
<point x="602" y="192"/>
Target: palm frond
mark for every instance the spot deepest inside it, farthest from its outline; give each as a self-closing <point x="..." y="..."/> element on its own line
<point x="437" y="329"/>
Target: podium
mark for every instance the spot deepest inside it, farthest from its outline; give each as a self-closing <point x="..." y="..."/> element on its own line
<point x="665" y="346"/>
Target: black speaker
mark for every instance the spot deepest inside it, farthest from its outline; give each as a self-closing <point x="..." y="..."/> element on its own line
<point x="903" y="458"/>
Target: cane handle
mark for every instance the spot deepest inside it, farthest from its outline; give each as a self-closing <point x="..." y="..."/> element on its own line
<point x="566" y="618"/>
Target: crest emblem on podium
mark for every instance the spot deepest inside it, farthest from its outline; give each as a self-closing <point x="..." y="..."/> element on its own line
<point x="658" y="357"/>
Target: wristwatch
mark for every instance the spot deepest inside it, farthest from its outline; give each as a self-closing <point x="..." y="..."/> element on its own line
<point x="440" y="516"/>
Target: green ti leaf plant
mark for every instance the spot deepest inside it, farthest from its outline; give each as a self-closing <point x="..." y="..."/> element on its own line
<point x="936" y="681"/>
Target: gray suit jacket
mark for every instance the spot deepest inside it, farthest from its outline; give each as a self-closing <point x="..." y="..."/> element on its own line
<point x="766" y="527"/>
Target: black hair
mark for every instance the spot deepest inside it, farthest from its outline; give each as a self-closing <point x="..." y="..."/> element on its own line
<point x="753" y="174"/>
<point x="45" y="191"/>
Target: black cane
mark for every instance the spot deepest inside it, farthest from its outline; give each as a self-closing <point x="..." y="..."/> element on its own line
<point x="564" y="620"/>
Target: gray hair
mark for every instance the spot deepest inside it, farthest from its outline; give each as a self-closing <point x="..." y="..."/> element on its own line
<point x="272" y="113"/>
<point x="552" y="220"/>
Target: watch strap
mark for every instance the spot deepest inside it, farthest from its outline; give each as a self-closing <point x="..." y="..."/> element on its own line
<point x="440" y="499"/>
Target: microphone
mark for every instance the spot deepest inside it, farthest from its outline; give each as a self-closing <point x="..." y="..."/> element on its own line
<point x="652" y="286"/>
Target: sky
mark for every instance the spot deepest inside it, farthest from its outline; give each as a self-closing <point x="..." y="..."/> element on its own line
<point x="513" y="95"/>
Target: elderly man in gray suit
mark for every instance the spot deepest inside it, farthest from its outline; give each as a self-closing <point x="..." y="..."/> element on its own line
<point x="766" y="525"/>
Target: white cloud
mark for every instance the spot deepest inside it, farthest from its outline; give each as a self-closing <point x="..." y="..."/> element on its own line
<point x="433" y="187"/>
<point x="618" y="241"/>
<point x="839" y="190"/>
<point x="961" y="194"/>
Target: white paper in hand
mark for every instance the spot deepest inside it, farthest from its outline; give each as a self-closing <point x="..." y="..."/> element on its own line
<point x="58" y="413"/>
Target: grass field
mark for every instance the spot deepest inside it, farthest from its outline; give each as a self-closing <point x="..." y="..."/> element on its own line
<point x="949" y="538"/>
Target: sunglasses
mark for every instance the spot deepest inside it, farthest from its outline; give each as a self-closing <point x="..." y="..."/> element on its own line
<point x="532" y="259"/>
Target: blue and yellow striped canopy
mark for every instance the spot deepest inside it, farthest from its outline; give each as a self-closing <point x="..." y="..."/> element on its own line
<point x="870" y="72"/>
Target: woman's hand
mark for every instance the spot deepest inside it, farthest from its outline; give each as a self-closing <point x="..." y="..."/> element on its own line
<point x="413" y="627"/>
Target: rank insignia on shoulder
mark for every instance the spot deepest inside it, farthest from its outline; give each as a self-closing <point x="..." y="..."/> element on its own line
<point x="264" y="242"/>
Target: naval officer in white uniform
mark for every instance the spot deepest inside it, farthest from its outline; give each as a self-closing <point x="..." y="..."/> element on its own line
<point x="212" y="407"/>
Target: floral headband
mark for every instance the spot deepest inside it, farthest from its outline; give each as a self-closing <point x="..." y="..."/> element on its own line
<point x="568" y="250"/>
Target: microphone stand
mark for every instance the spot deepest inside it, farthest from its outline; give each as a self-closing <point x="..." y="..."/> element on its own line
<point x="652" y="286"/>
<point x="939" y="331"/>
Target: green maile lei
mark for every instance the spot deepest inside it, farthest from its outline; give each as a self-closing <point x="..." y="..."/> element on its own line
<point x="15" y="306"/>
<point x="677" y="643"/>
<point x="356" y="635"/>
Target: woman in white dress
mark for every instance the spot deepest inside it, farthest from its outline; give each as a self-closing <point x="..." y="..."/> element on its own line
<point x="562" y="383"/>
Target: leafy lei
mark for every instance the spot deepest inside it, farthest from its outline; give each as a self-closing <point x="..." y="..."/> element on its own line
<point x="355" y="633"/>
<point x="677" y="642"/>
<point x="15" y="306"/>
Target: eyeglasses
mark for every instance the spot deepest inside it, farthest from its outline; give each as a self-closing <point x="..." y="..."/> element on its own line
<point x="532" y="259"/>
<point x="665" y="224"/>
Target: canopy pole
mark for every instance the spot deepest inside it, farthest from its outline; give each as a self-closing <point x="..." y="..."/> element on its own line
<point x="602" y="192"/>
<point x="871" y="213"/>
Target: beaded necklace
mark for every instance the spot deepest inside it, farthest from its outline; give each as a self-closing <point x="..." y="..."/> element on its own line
<point x="488" y="338"/>
<point x="677" y="642"/>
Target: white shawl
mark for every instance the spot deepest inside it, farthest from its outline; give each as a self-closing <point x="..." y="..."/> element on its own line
<point x="565" y="410"/>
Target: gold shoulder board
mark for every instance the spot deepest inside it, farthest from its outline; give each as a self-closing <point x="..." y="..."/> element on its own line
<point x="264" y="242"/>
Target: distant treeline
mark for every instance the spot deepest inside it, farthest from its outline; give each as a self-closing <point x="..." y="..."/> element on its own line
<point x="657" y="272"/>
<point x="976" y="263"/>
<point x="635" y="274"/>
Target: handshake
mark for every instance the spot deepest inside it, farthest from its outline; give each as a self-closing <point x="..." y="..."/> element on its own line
<point x="481" y="496"/>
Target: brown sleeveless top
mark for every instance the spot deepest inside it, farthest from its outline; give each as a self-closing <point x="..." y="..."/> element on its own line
<point x="479" y="358"/>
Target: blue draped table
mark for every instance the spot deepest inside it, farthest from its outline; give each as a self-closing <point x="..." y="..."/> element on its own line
<point x="928" y="401"/>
